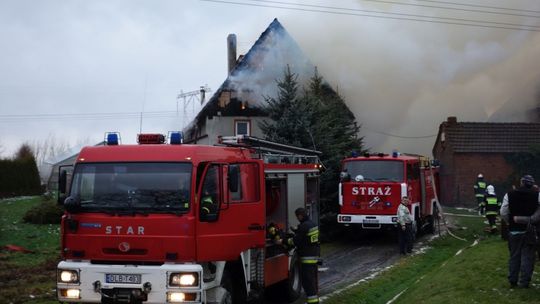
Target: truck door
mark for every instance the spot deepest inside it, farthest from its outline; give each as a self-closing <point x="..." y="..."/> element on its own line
<point x="237" y="221"/>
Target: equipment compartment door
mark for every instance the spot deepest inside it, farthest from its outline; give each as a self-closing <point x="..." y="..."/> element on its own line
<point x="240" y="222"/>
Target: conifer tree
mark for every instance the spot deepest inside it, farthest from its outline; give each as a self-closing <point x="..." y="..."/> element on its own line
<point x="319" y="119"/>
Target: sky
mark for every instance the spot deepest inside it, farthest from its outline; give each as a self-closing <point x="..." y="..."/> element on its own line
<point x="73" y="70"/>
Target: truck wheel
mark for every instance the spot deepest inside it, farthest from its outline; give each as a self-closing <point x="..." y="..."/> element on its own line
<point x="226" y="283"/>
<point x="291" y="288"/>
<point x="235" y="291"/>
<point x="433" y="219"/>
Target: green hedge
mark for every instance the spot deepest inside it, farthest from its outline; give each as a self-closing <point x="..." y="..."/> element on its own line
<point x="19" y="177"/>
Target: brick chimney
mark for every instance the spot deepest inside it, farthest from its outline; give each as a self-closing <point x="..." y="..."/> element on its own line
<point x="231" y="52"/>
<point x="451" y="120"/>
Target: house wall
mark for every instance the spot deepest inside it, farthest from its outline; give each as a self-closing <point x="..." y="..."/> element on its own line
<point x="467" y="166"/>
<point x="445" y="156"/>
<point x="224" y="126"/>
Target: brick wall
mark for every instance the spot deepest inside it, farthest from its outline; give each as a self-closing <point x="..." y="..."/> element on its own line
<point x="466" y="168"/>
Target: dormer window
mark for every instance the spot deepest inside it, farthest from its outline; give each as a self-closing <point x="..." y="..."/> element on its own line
<point x="242" y="127"/>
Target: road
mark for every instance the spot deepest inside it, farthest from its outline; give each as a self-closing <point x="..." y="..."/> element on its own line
<point x="349" y="261"/>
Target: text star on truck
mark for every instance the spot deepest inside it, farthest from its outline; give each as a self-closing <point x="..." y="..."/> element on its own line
<point x="172" y="223"/>
<point x="372" y="186"/>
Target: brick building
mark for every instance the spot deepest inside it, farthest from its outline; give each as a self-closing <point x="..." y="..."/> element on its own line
<point x="465" y="149"/>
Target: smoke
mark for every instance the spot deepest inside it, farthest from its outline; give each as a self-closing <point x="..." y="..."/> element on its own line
<point x="265" y="65"/>
<point x="401" y="79"/>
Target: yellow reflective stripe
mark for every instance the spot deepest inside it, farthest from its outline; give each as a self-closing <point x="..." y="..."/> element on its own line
<point x="206" y="209"/>
<point x="309" y="260"/>
<point x="313" y="234"/>
<point x="482" y="184"/>
<point x="312" y="299"/>
<point x="492" y="201"/>
<point x="491" y="213"/>
<point x="479" y="195"/>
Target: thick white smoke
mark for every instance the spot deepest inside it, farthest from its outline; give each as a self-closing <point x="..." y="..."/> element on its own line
<point x="404" y="78"/>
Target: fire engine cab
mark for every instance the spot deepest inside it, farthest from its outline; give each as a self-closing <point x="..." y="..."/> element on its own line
<point x="372" y="186"/>
<point x="164" y="222"/>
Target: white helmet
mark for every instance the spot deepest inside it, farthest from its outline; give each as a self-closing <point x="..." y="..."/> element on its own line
<point x="480" y="175"/>
<point x="490" y="190"/>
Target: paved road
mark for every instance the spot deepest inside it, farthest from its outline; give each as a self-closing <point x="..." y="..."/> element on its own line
<point x="348" y="261"/>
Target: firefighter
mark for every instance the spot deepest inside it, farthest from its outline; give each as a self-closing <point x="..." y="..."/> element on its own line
<point x="479" y="192"/>
<point x="520" y="207"/>
<point x="492" y="207"/>
<point x="306" y="241"/>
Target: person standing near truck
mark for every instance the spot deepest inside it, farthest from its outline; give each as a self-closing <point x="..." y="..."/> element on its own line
<point x="306" y="241"/>
<point x="404" y="220"/>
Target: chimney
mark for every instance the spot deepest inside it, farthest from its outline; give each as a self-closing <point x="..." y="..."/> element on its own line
<point x="231" y="52"/>
<point x="452" y="120"/>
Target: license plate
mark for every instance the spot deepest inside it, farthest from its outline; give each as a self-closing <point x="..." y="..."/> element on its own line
<point x="123" y="278"/>
<point x="371" y="221"/>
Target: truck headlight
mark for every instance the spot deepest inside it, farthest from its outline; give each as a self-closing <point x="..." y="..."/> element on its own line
<point x="184" y="279"/>
<point x="68" y="276"/>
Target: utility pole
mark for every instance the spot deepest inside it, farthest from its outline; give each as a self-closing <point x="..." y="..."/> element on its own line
<point x="188" y="98"/>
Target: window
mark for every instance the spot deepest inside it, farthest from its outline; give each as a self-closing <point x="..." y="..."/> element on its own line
<point x="209" y="203"/>
<point x="248" y="183"/>
<point x="242" y="127"/>
<point x="375" y="170"/>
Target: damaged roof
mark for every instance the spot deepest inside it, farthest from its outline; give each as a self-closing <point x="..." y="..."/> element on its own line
<point x="251" y="62"/>
<point x="489" y="137"/>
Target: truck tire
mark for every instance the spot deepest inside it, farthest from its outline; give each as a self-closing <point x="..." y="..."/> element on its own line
<point x="236" y="292"/>
<point x="291" y="288"/>
<point x="432" y="221"/>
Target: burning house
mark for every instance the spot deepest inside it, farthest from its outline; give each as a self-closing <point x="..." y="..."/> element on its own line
<point x="466" y="149"/>
<point x="236" y="107"/>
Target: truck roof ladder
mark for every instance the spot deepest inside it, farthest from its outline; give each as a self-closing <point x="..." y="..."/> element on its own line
<point x="272" y="152"/>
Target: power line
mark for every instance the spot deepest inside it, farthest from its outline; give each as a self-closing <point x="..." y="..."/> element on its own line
<point x="482" y="6"/>
<point x="85" y="116"/>
<point x="520" y="27"/>
<point x="398" y="136"/>
<point x="398" y="14"/>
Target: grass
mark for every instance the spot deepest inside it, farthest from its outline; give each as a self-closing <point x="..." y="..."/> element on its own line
<point x="27" y="277"/>
<point x="476" y="275"/>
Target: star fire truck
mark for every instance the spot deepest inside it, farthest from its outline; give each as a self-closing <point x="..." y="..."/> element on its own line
<point x="372" y="186"/>
<point x="166" y="222"/>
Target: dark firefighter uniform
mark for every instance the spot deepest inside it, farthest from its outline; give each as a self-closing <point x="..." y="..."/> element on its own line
<point x="492" y="210"/>
<point x="306" y="240"/>
<point x="479" y="191"/>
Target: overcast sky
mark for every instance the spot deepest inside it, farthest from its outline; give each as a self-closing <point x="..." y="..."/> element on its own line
<point x="76" y="69"/>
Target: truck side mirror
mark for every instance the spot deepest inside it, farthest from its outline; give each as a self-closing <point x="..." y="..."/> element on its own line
<point x="72" y="205"/>
<point x="344" y="176"/>
<point x="234" y="176"/>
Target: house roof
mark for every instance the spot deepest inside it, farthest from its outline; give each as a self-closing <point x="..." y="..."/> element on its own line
<point x="489" y="137"/>
<point x="275" y="38"/>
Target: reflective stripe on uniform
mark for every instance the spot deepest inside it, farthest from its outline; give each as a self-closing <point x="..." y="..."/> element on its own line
<point x="309" y="260"/>
<point x="290" y="241"/>
<point x="492" y="201"/>
<point x="491" y="213"/>
<point x="313" y="234"/>
<point x="312" y="299"/>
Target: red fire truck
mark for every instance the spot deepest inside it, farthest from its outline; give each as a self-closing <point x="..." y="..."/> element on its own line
<point x="164" y="222"/>
<point x="372" y="186"/>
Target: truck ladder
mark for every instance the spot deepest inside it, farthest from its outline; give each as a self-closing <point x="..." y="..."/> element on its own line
<point x="272" y="152"/>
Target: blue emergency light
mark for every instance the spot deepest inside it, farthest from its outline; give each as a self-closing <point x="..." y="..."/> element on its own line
<point x="175" y="137"/>
<point x="112" y="138"/>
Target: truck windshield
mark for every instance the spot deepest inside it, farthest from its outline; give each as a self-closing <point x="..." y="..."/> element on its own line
<point x="132" y="187"/>
<point x="375" y="170"/>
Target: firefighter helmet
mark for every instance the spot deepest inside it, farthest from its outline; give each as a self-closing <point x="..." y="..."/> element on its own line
<point x="480" y="175"/>
<point x="490" y="190"/>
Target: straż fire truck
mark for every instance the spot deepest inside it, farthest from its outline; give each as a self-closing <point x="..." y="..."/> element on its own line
<point x="372" y="186"/>
<point x="165" y="222"/>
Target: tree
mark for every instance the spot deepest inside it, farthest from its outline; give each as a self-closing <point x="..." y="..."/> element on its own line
<point x="318" y="119"/>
